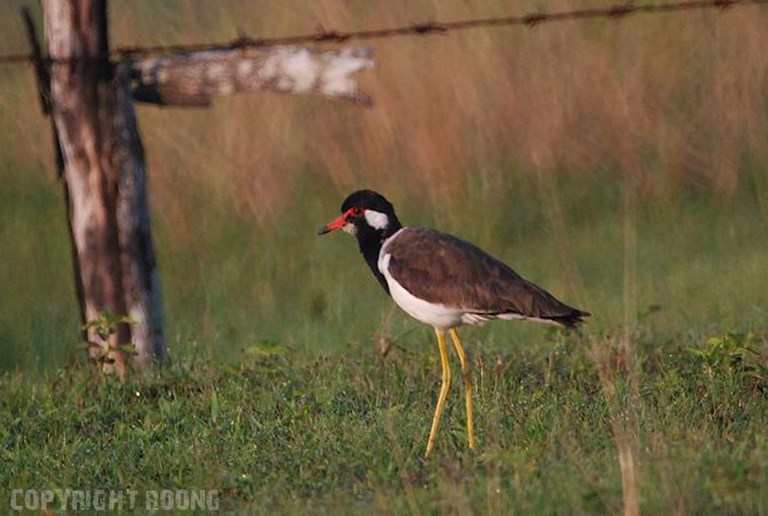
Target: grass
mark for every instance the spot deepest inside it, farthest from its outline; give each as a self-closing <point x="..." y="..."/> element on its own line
<point x="278" y="396"/>
<point x="681" y="94"/>
<point x="620" y="165"/>
<point x="232" y="282"/>
<point x="346" y="434"/>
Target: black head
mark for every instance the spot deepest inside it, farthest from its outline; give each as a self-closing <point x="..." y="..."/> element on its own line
<point x="368" y="200"/>
<point x="365" y="214"/>
<point x="371" y="219"/>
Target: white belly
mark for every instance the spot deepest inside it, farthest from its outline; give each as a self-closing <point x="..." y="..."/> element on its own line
<point x="436" y="315"/>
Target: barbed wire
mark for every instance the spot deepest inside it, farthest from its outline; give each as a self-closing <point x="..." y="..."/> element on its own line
<point x="616" y="11"/>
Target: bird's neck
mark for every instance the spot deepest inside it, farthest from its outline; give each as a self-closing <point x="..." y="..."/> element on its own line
<point x="370" y="241"/>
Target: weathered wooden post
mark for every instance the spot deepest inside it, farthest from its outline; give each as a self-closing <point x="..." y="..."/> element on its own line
<point x="103" y="167"/>
<point x="100" y="156"/>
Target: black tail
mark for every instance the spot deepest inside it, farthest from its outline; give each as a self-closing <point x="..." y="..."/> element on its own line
<point x="572" y="320"/>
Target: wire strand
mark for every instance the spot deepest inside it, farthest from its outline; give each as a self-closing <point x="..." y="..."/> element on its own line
<point x="615" y="12"/>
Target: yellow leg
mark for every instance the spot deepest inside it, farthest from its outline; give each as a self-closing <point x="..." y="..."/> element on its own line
<point x="465" y="369"/>
<point x="446" y="384"/>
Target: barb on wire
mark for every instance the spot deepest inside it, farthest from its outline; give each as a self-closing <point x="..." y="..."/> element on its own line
<point x="243" y="42"/>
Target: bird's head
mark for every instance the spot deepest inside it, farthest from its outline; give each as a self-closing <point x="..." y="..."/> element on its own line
<point x="365" y="214"/>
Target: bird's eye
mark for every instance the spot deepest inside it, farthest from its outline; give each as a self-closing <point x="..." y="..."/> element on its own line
<point x="357" y="212"/>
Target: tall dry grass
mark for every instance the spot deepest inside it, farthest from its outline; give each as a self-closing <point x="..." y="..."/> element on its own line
<point x="672" y="100"/>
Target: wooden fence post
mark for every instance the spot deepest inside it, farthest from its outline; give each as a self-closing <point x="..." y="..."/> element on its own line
<point x="43" y="77"/>
<point x="104" y="173"/>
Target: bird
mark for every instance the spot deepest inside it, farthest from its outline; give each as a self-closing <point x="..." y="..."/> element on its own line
<point x="445" y="282"/>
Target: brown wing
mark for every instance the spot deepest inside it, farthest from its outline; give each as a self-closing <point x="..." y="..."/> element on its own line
<point x="440" y="268"/>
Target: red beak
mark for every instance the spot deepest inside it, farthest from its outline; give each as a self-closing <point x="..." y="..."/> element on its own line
<point x="337" y="223"/>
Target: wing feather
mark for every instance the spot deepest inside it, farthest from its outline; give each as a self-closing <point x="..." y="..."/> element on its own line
<point x="441" y="268"/>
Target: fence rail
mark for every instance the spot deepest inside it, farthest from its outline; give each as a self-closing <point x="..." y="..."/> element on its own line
<point x="244" y="42"/>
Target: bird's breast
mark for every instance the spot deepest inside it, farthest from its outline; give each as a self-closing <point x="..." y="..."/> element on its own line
<point x="434" y="314"/>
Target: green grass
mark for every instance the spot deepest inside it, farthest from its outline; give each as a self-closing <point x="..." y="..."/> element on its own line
<point x="346" y="434"/>
<point x="230" y="281"/>
<point x="38" y="324"/>
<point x="308" y="417"/>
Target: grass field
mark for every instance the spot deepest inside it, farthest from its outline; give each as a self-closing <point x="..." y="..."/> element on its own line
<point x="345" y="435"/>
<point x="620" y="166"/>
<point x="236" y="283"/>
<point x="279" y="397"/>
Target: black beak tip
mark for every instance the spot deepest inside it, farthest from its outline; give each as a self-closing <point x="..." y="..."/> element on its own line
<point x="323" y="230"/>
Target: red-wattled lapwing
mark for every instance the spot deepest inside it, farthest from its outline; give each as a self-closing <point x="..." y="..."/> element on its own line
<point x="445" y="282"/>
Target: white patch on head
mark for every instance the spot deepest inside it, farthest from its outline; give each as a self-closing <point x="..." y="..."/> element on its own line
<point x="376" y="219"/>
<point x="349" y="228"/>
